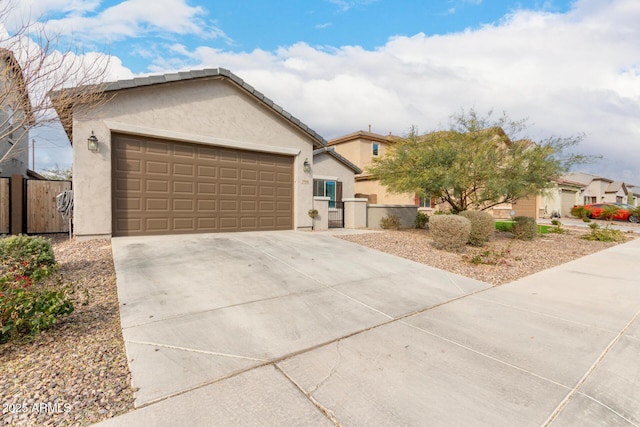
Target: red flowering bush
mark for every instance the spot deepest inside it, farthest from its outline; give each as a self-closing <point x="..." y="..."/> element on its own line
<point x="29" y="300"/>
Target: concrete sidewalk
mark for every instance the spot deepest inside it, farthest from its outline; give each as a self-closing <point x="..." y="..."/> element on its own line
<point x="298" y="328"/>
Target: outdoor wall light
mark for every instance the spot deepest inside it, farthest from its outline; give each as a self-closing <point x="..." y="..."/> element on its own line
<point x="307" y="165"/>
<point x="92" y="142"/>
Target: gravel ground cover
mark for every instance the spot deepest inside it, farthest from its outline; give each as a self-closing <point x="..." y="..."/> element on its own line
<point x="503" y="260"/>
<point x="76" y="372"/>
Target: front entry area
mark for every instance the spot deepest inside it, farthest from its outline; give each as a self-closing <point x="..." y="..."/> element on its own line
<point x="172" y="187"/>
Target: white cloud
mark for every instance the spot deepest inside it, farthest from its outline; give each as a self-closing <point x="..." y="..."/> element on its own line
<point x="84" y="20"/>
<point x="568" y="73"/>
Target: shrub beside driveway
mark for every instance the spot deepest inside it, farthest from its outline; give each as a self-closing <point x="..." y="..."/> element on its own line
<point x="503" y="260"/>
<point x="77" y="368"/>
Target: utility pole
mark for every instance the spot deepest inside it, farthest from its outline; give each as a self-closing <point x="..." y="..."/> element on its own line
<point x="33" y="154"/>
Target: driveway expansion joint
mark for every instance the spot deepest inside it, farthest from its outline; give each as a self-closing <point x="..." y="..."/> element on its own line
<point x="585" y="377"/>
<point x="193" y="350"/>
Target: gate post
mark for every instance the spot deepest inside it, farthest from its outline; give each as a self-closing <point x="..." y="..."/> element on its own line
<point x="17" y="204"/>
<point x="321" y="204"/>
<point x="355" y="213"/>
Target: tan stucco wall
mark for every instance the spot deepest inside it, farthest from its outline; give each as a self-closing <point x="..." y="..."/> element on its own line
<point x="327" y="167"/>
<point x="384" y="197"/>
<point x="360" y="151"/>
<point x="212" y="111"/>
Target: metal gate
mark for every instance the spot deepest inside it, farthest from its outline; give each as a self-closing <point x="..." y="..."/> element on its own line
<point x="336" y="215"/>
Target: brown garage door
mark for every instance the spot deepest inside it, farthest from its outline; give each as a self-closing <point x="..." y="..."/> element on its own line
<point x="168" y="187"/>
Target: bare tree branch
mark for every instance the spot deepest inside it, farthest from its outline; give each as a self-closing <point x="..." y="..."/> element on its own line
<point x="34" y="64"/>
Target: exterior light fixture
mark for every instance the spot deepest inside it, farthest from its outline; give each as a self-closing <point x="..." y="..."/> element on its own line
<point x="92" y="143"/>
<point x="307" y="166"/>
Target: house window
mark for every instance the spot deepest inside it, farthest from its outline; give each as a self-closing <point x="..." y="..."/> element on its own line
<point x="325" y="188"/>
<point x="619" y="199"/>
<point x="427" y="201"/>
<point x="375" y="149"/>
<point x="590" y="200"/>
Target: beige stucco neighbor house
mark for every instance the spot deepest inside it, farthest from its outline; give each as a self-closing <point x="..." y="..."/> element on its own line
<point x="198" y="151"/>
<point x="594" y="188"/>
<point x="15" y="118"/>
<point x="360" y="148"/>
<point x="333" y="175"/>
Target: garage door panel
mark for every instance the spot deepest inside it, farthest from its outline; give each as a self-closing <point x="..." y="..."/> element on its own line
<point x="228" y="206"/>
<point x="250" y="206"/>
<point x="207" y="224"/>
<point x="267" y="192"/>
<point x="184" y="224"/>
<point x="158" y="148"/>
<point x="229" y="189"/>
<point x="129" y="184"/>
<point x="164" y="187"/>
<point x="183" y="205"/>
<point x="249" y="175"/>
<point x="161" y="205"/>
<point x="267" y="177"/>
<point x="157" y="224"/>
<point x="128" y="204"/>
<point x="129" y="165"/>
<point x="183" y="187"/>
<point x="248" y="190"/>
<point x="183" y="169"/>
<point x="207" y="171"/>
<point x="184" y="150"/>
<point x="207" y="206"/>
<point x="157" y="186"/>
<point x="132" y="224"/>
<point x="229" y="173"/>
<point x="157" y="167"/>
<point x="228" y="223"/>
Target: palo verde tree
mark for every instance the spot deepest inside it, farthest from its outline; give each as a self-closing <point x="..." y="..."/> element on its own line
<point x="476" y="164"/>
<point x="33" y="63"/>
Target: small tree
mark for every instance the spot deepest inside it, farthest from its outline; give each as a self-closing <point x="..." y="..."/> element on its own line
<point x="34" y="63"/>
<point x="475" y="164"/>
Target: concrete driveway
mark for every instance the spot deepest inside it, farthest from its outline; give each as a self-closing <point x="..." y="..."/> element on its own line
<point x="295" y="328"/>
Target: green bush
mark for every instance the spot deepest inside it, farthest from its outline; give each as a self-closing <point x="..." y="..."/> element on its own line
<point x="524" y="228"/>
<point x="557" y="227"/>
<point x="604" y="234"/>
<point x="483" y="227"/>
<point x="450" y="232"/>
<point x="391" y="222"/>
<point x="579" y="212"/>
<point x="28" y="302"/>
<point x="422" y="219"/>
<point x="25" y="256"/>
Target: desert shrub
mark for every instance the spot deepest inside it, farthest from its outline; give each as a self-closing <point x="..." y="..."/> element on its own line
<point x="557" y="227"/>
<point x="524" y="228"/>
<point x="22" y="255"/>
<point x="482" y="227"/>
<point x="450" y="232"/>
<point x="391" y="222"/>
<point x="29" y="308"/>
<point x="422" y="219"/>
<point x="489" y="257"/>
<point x="29" y="302"/>
<point x="579" y="212"/>
<point x="606" y="234"/>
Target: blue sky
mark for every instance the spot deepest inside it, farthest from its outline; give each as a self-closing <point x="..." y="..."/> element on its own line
<point x="341" y="65"/>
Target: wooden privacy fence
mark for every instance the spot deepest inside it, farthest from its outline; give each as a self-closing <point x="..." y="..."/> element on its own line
<point x="42" y="209"/>
<point x="4" y="205"/>
<point x="29" y="206"/>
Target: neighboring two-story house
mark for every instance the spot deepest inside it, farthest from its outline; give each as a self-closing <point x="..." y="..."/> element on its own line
<point x="360" y="148"/>
<point x="15" y="117"/>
